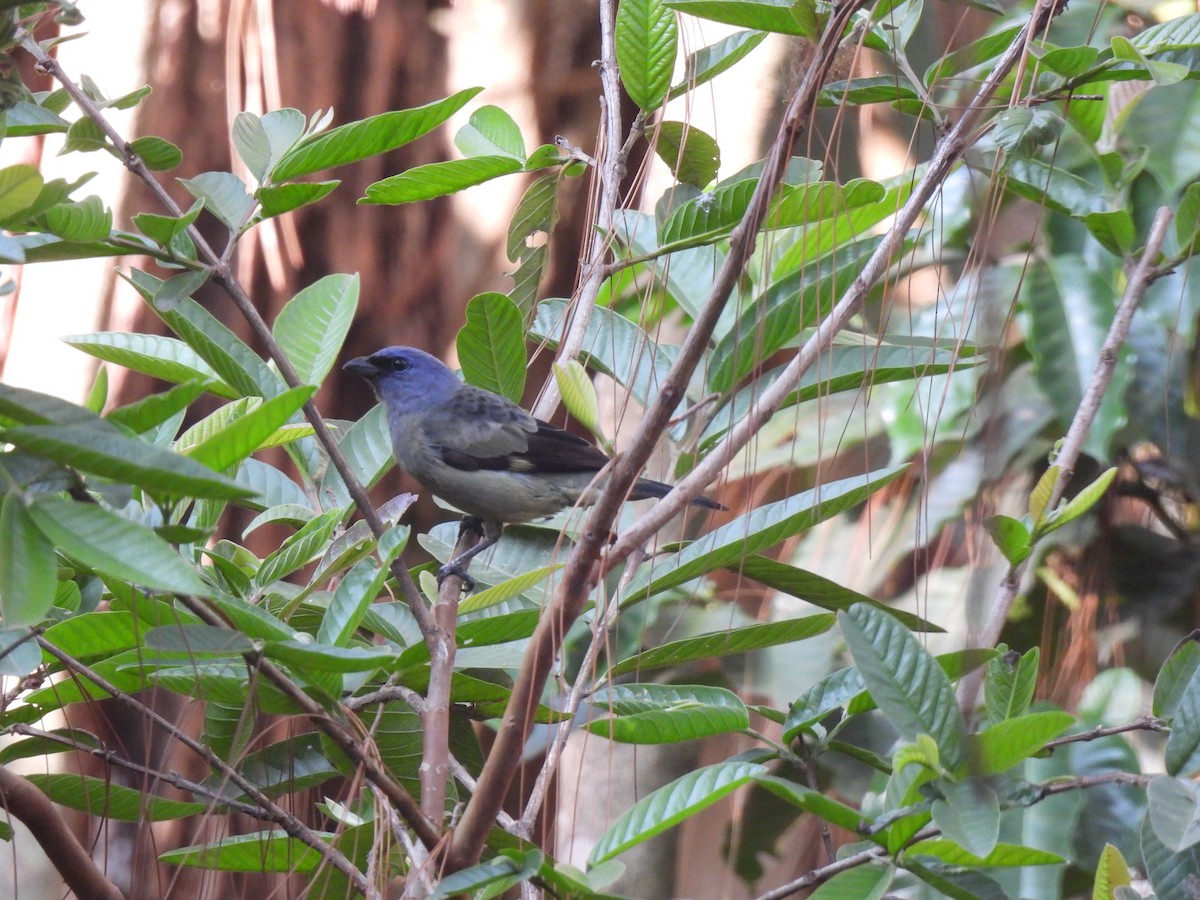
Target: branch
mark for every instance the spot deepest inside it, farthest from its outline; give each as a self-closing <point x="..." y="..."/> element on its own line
<point x="582" y="569"/>
<point x="609" y="174"/>
<point x="286" y="820"/>
<point x="945" y="156"/>
<point x="223" y="274"/>
<point x="1144" y="273"/>
<point x="26" y="803"/>
<point x="1145" y="723"/>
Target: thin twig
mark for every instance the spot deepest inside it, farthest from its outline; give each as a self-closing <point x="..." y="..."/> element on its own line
<point x="582" y="568"/>
<point x="946" y="155"/>
<point x="1145" y="723"/>
<point x="609" y="173"/>
<point x="286" y="820"/>
<point x="435" y="715"/>
<point x="1144" y="273"/>
<point x="223" y="274"/>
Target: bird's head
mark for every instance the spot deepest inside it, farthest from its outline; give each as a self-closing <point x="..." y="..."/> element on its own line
<point x="404" y="376"/>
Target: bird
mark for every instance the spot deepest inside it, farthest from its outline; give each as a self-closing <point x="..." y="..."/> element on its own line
<point x="481" y="452"/>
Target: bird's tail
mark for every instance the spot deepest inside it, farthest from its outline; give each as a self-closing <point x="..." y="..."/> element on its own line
<point x="645" y="488"/>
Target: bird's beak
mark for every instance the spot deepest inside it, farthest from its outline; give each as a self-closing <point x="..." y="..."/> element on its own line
<point x="361" y="366"/>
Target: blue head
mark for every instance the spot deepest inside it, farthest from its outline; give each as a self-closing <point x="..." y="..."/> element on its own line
<point x="406" y="379"/>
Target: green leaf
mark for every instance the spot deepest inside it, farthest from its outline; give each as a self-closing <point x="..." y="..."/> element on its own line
<point x="299" y="549"/>
<point x="867" y="882"/>
<point x="115" y="546"/>
<point x="228" y="355"/>
<point x="491" y="132"/>
<point x="102" y="450"/>
<point x="28" y="578"/>
<point x="795" y="17"/>
<point x="491" y="345"/>
<point x="1002" y="854"/>
<point x="1009" y="684"/>
<point x="1081" y="502"/>
<point x="865" y="91"/>
<point x="724" y="643"/>
<point x="1173" y="807"/>
<point x="968" y="812"/>
<point x="19" y="188"/>
<point x="357" y="590"/>
<point x="708" y="62"/>
<point x="486" y="879"/>
<point x="276" y="200"/>
<point x="1114" y="229"/>
<point x="150" y="412"/>
<point x="666" y="714"/>
<point x="817" y="590"/>
<point x="87" y="220"/>
<point x="264" y="851"/>
<point x="1011" y="537"/>
<point x="367" y="446"/>
<point x="106" y="800"/>
<point x="157" y="357"/>
<point x="1171" y="873"/>
<point x="692" y="155"/>
<point x="905" y="680"/>
<point x="84" y="136"/>
<point x="756" y="531"/>
<point x="1175" y="676"/>
<point x="832" y="692"/>
<point x="224" y="195"/>
<point x="578" y="394"/>
<point x="1111" y="873"/>
<point x="1183" y="743"/>
<point x="369" y="137"/>
<point x="710" y="215"/>
<point x="647" y="38"/>
<point x="1012" y="740"/>
<point x="671" y="804"/>
<point x="537" y="212"/>
<point x="439" y="179"/>
<point x="34" y="408"/>
<point x="250" y="431"/>
<point x="157" y="153"/>
<point x="312" y="325"/>
<point x="506" y="590"/>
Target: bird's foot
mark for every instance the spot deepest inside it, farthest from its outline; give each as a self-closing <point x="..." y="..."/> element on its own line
<point x="468" y="583"/>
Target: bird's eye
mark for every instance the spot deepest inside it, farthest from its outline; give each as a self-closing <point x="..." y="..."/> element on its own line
<point x="399" y="364"/>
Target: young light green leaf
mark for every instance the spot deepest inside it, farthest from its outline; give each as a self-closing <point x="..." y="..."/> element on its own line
<point x="1040" y="495"/>
<point x="1111" y="873"/>
<point x="312" y="325"/>
<point x="439" y="179"/>
<point x="506" y="590"/>
<point x="276" y="200"/>
<point x="1011" y="537"/>
<point x="19" y="187"/>
<point x="781" y="16"/>
<point x="1004" y="744"/>
<point x="81" y="222"/>
<point x="249" y="432"/>
<point x="224" y="195"/>
<point x="491" y="345"/>
<point x="579" y="394"/>
<point x="1009" y="684"/>
<point x="157" y="153"/>
<point x="491" y="132"/>
<point x="1081" y="502"/>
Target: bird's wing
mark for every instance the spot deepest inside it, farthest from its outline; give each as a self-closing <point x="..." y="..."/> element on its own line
<point x="480" y="430"/>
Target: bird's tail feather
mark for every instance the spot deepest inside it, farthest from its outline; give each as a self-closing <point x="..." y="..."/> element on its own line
<point x="645" y="488"/>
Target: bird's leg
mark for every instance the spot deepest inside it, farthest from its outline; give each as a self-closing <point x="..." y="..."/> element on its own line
<point x="490" y="529"/>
